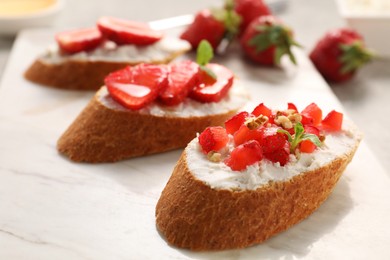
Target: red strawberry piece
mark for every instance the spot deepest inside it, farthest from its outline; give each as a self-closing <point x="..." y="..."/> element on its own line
<point x="79" y="40"/>
<point x="244" y="155"/>
<point x="306" y="146"/>
<point x="135" y="87"/>
<point x="204" y="27"/>
<point x="127" y="32"/>
<point x="272" y="140"/>
<point x="244" y="134"/>
<point x="266" y="40"/>
<point x="211" y="90"/>
<point x="262" y="109"/>
<point x="339" y="54"/>
<point x="249" y="10"/>
<point x="281" y="155"/>
<point x="182" y="78"/>
<point x="213" y="138"/>
<point x="292" y="106"/>
<point x="234" y="123"/>
<point x="333" y="121"/>
<point x="311" y="114"/>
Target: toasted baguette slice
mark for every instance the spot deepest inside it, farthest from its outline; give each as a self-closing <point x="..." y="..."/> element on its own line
<point x="204" y="207"/>
<point x="107" y="132"/>
<point x="86" y="71"/>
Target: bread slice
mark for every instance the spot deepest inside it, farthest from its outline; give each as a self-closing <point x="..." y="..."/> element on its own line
<point x="107" y="132"/>
<point x="86" y="71"/>
<point x="225" y="213"/>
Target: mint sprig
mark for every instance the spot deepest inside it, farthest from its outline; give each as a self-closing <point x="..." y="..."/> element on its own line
<point x="299" y="136"/>
<point x="204" y="54"/>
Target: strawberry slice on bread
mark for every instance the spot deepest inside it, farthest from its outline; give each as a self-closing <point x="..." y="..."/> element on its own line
<point x="148" y="109"/>
<point x="228" y="196"/>
<point x="82" y="58"/>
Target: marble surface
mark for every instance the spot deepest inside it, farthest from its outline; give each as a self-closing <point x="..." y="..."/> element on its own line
<point x="52" y="208"/>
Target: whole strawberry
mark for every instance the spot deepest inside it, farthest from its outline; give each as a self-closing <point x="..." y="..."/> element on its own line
<point x="266" y="40"/>
<point x="248" y="10"/>
<point x="212" y="25"/>
<point x="204" y="27"/>
<point x="339" y="54"/>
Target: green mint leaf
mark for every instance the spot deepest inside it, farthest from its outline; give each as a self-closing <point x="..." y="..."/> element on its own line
<point x="299" y="130"/>
<point x="282" y="131"/>
<point x="313" y="138"/>
<point x="204" y="53"/>
<point x="208" y="71"/>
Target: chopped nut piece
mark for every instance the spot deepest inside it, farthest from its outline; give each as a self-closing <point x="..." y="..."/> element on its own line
<point x="256" y="122"/>
<point x="322" y="138"/>
<point x="295" y="117"/>
<point x="284" y="122"/>
<point x="214" y="156"/>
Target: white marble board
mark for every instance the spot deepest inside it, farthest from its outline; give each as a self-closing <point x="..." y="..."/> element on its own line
<point x="52" y="208"/>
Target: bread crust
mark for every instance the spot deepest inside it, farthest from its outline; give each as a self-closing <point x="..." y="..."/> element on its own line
<point x="102" y="134"/>
<point x="79" y="74"/>
<point x="191" y="214"/>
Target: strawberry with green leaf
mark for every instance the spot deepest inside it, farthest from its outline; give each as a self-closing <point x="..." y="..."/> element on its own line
<point x="214" y="80"/>
<point x="212" y="25"/>
<point x="267" y="39"/>
<point x="339" y="54"/>
<point x="299" y="136"/>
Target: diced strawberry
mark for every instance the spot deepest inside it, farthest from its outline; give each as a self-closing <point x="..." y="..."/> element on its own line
<point x="234" y="123"/>
<point x="244" y="134"/>
<point x="314" y="112"/>
<point x="306" y="120"/>
<point x="244" y="155"/>
<point x="182" y="78"/>
<point x="135" y="87"/>
<point x="306" y="146"/>
<point x="213" y="138"/>
<point x="204" y="27"/>
<point x="208" y="91"/>
<point x="79" y="40"/>
<point x="127" y="32"/>
<point x="272" y="140"/>
<point x="333" y="121"/>
<point x="292" y="106"/>
<point x="281" y="155"/>
<point x="262" y="110"/>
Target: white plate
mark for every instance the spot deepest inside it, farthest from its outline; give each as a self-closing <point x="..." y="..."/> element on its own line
<point x="55" y="209"/>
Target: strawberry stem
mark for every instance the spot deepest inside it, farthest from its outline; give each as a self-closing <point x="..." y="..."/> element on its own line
<point x="274" y="35"/>
<point x="354" y="56"/>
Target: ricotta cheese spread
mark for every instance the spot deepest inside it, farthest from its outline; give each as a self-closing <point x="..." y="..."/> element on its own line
<point x="219" y="176"/>
<point x="111" y="52"/>
<point x="236" y="98"/>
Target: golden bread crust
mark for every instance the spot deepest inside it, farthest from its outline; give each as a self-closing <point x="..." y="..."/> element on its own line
<point x="78" y="74"/>
<point x="102" y="134"/>
<point x="190" y="214"/>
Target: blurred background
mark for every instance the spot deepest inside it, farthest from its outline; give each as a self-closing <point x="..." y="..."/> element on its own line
<point x="365" y="98"/>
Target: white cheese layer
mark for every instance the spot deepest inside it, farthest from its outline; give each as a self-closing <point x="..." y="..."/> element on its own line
<point x="236" y="98"/>
<point x="219" y="176"/>
<point x="130" y="53"/>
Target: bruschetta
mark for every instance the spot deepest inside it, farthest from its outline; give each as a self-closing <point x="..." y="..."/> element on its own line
<point x="83" y="57"/>
<point x="149" y="108"/>
<point x="267" y="170"/>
